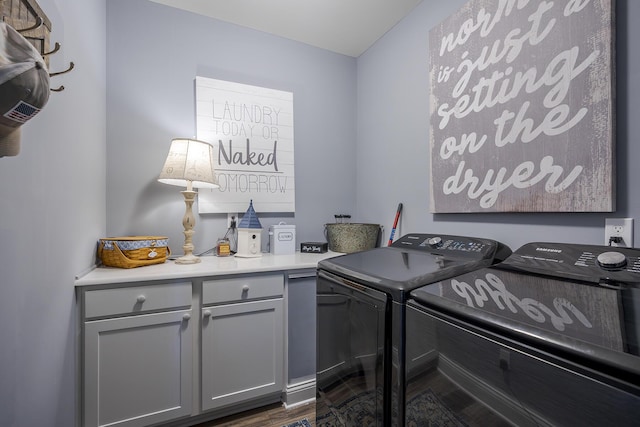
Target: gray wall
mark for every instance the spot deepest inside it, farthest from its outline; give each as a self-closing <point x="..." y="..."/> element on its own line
<point x="375" y="106"/>
<point x="393" y="151"/>
<point x="52" y="206"/>
<point x="154" y="53"/>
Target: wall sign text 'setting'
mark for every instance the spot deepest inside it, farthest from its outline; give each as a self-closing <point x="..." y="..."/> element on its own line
<point x="251" y="129"/>
<point x="521" y="107"/>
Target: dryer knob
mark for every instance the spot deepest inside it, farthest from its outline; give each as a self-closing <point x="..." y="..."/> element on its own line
<point x="435" y="242"/>
<point x="612" y="260"/>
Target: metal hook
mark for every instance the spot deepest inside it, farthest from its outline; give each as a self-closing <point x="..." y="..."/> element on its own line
<point x="35" y="26"/>
<point x="71" y="65"/>
<point x="55" y="49"/>
<point x="60" y="89"/>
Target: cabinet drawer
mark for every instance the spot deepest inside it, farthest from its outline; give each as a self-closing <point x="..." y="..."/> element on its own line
<point x="109" y="302"/>
<point x="242" y="288"/>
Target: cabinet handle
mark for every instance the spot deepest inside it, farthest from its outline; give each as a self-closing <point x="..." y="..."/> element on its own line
<point x="245" y="288"/>
<point x="186" y="316"/>
<point x="141" y="299"/>
<point x="206" y="313"/>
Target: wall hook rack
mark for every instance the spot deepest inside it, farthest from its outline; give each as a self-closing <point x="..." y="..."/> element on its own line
<point x="32" y="23"/>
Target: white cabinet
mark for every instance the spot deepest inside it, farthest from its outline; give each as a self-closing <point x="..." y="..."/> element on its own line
<point x="176" y="345"/>
<point x="242" y="339"/>
<point x="137" y="355"/>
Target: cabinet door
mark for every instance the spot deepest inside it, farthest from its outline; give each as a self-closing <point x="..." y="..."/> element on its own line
<point x="242" y="352"/>
<point x="137" y="369"/>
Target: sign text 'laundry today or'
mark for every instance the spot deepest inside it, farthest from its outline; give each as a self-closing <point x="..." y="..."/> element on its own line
<point x="252" y="130"/>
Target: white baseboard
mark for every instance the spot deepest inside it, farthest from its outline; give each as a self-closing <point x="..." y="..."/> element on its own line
<point x="299" y="393"/>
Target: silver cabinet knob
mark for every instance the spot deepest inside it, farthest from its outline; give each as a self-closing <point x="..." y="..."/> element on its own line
<point x="141" y="299"/>
<point x="245" y="288"/>
<point x="206" y="313"/>
<point x="186" y="316"/>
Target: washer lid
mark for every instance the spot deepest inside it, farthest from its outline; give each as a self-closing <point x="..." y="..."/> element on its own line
<point x="413" y="261"/>
<point x="566" y="297"/>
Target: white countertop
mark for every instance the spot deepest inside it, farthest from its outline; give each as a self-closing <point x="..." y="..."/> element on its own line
<point x="209" y="266"/>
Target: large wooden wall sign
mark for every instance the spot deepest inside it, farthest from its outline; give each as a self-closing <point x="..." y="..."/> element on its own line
<point x="251" y="129"/>
<point x="521" y="107"/>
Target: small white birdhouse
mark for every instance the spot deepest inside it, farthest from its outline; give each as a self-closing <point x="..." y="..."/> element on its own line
<point x="249" y="235"/>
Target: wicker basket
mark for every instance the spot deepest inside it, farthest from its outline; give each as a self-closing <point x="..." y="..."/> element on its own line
<point x="136" y="251"/>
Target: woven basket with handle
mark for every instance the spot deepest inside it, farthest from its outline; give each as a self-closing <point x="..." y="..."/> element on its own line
<point x="134" y="251"/>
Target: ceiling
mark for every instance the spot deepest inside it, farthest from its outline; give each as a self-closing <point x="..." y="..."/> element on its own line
<point x="348" y="27"/>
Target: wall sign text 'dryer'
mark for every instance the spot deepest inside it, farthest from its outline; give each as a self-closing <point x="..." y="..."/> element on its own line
<point x="521" y="107"/>
<point x="251" y="129"/>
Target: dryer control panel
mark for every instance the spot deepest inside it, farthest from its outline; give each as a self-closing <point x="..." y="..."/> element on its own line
<point x="585" y="262"/>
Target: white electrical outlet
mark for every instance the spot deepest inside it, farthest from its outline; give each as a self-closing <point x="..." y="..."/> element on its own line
<point x="232" y="217"/>
<point x="618" y="232"/>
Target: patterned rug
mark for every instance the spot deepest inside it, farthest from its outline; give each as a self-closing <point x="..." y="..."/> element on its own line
<point x="427" y="410"/>
<point x="359" y="410"/>
<point x="302" y="423"/>
<point x="423" y="410"/>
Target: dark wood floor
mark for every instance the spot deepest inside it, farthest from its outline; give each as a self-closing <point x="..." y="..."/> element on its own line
<point x="268" y="416"/>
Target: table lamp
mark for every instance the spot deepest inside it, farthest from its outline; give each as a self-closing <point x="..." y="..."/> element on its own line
<point x="189" y="164"/>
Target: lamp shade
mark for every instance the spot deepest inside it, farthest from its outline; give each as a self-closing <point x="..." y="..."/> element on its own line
<point x="189" y="163"/>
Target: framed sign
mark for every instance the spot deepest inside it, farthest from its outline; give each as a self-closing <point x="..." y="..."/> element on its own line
<point x="521" y="107"/>
<point x="251" y="129"/>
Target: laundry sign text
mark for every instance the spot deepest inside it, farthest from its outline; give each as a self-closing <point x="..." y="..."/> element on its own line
<point x="252" y="130"/>
<point x="521" y="111"/>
